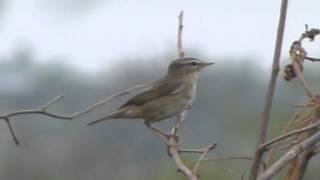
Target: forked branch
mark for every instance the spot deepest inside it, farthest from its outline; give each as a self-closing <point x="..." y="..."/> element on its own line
<point x="172" y="140"/>
<point x="299" y="155"/>
<point x="290" y="134"/>
<point x="290" y="155"/>
<point x="43" y="110"/>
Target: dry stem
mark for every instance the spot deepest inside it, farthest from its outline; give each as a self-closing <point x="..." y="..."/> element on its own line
<point x="292" y="133"/>
<point x="268" y="102"/>
<point x="42" y="110"/>
<point x="172" y="139"/>
<point x="300" y="154"/>
<point x="109" y="98"/>
<point x="179" y="40"/>
<point x="289" y="156"/>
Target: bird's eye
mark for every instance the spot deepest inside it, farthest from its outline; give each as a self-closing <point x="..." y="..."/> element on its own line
<point x="193" y="63"/>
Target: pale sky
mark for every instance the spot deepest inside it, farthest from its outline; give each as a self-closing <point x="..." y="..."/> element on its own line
<point x="92" y="33"/>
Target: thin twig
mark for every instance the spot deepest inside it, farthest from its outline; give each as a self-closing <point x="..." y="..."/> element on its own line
<point x="14" y="137"/>
<point x="298" y="166"/>
<point x="312" y="59"/>
<point x="42" y="111"/>
<point x="173" y="149"/>
<point x="35" y="111"/>
<point x="230" y="158"/>
<point x="298" y="54"/>
<point x="180" y="30"/>
<point x="235" y="158"/>
<point x="305" y="85"/>
<point x="289" y="156"/>
<point x="107" y="99"/>
<point x="195" y="151"/>
<point x="57" y="98"/>
<point x="285" y="130"/>
<point x="205" y="152"/>
<point x="268" y="102"/>
<point x="172" y="139"/>
<point x="287" y="135"/>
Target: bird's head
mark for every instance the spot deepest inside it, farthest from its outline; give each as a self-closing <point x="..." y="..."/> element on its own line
<point x="187" y="65"/>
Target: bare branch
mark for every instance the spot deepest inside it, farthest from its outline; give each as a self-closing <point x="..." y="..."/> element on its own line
<point x="57" y="98"/>
<point x="303" y="160"/>
<point x="298" y="54"/>
<point x="290" y="155"/>
<point x="197" y="151"/>
<point x="179" y="39"/>
<point x="312" y="59"/>
<point x="109" y="98"/>
<point x="306" y="86"/>
<point x="172" y="139"/>
<point x="35" y="111"/>
<point x="205" y="152"/>
<point x="14" y="137"/>
<point x="284" y="131"/>
<point x="268" y="103"/>
<point x="229" y="158"/>
<point x="298" y="166"/>
<point x="173" y="149"/>
<point x="235" y="158"/>
<point x="42" y="111"/>
<point x="287" y="135"/>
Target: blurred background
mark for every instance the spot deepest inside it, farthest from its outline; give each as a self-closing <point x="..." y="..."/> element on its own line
<point x="90" y="49"/>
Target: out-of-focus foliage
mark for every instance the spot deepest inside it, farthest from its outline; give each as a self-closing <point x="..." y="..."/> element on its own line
<point x="230" y="99"/>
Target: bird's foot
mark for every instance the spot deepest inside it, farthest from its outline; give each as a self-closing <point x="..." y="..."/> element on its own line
<point x="168" y="136"/>
<point x="173" y="136"/>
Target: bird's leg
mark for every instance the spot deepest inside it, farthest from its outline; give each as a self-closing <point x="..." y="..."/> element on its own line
<point x="164" y="136"/>
<point x="160" y="133"/>
<point x="157" y="131"/>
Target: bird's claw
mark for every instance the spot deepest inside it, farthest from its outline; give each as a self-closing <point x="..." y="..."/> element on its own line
<point x="172" y="136"/>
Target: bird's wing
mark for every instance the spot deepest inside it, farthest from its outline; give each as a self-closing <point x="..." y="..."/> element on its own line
<point x="159" y="89"/>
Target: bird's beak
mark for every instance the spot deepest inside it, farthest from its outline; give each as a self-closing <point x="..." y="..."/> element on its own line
<point x="205" y="64"/>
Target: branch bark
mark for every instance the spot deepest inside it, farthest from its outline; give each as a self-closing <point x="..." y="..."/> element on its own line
<point x="109" y="98"/>
<point x="174" y="151"/>
<point x="298" y="54"/>
<point x="179" y="40"/>
<point x="42" y="111"/>
<point x="289" y="156"/>
<point x="298" y="157"/>
<point x="268" y="103"/>
<point x="172" y="139"/>
<point x="287" y="135"/>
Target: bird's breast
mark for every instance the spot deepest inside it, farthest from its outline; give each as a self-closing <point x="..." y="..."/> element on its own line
<point x="191" y="94"/>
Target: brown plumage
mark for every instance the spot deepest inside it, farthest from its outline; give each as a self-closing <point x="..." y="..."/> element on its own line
<point x="166" y="97"/>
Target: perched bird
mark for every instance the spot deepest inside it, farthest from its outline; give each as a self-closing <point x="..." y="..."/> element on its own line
<point x="169" y="96"/>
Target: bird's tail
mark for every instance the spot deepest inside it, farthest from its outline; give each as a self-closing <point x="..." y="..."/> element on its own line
<point x="115" y="115"/>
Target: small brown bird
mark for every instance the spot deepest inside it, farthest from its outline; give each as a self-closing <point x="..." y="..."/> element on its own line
<point x="169" y="96"/>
